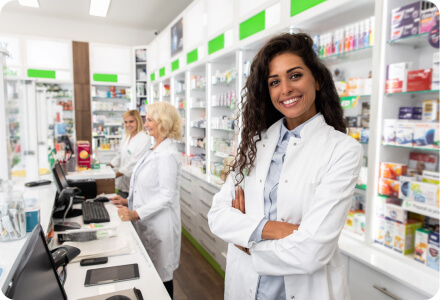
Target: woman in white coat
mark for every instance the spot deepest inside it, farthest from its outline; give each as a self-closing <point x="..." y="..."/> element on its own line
<point x="298" y="169"/>
<point x="133" y="146"/>
<point x="153" y="203"/>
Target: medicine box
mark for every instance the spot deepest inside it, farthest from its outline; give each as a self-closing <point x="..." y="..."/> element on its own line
<point x="379" y="230"/>
<point x="432" y="259"/>
<point x="428" y="15"/>
<point x="430" y="112"/>
<point x="404" y="236"/>
<point x="396" y="79"/>
<point x="359" y="223"/>
<point x="349" y="222"/>
<point x="388" y="240"/>
<point x="437" y="135"/>
<point x="404" y="133"/>
<point x="423" y="161"/>
<point x="365" y="135"/>
<point x="425" y="193"/>
<point x="404" y="188"/>
<point x="424" y="135"/>
<point x="392" y="170"/>
<point x="396" y="213"/>
<point x="355" y="132"/>
<point x="419" y="80"/>
<point x="421" y="245"/>
<point x="83" y="150"/>
<point x="410" y="113"/>
<point x="389" y="187"/>
<point x="389" y="132"/>
<point x="431" y="177"/>
<point x="405" y="20"/>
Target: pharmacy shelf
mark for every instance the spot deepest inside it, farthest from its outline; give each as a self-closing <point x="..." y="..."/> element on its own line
<point x="422" y="209"/>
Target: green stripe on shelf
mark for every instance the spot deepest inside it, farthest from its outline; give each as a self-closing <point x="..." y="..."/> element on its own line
<point x="192" y="56"/>
<point x="153" y="76"/>
<point x="41" y="73"/>
<point x="216" y="44"/>
<point x="175" y="65"/>
<point x="298" y="6"/>
<point x="105" y="77"/>
<point x="162" y="72"/>
<point x="204" y="253"/>
<point x="253" y="25"/>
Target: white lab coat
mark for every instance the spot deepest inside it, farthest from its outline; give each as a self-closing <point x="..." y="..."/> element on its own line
<point x="154" y="190"/>
<point x="316" y="185"/>
<point x="130" y="151"/>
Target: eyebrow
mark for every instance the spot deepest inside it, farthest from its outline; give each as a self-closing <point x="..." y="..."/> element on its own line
<point x="287" y="72"/>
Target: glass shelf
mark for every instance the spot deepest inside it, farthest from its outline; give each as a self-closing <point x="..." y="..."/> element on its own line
<point x="414" y="93"/>
<point x="411" y="148"/>
<point x="351" y="55"/>
<point x="420" y="208"/>
<point x="229" y="130"/>
<point x="413" y="40"/>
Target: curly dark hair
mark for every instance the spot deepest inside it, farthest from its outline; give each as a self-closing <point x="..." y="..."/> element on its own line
<point x="258" y="112"/>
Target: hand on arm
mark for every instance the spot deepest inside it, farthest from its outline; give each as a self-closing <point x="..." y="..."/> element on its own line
<point x="118" y="200"/>
<point x="127" y="215"/>
<point x="238" y="203"/>
<point x="118" y="174"/>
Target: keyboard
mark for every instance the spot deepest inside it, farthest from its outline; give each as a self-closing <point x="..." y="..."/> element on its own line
<point x="94" y="212"/>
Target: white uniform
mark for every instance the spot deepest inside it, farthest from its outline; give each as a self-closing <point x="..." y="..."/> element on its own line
<point x="130" y="151"/>
<point x="154" y="195"/>
<point x="315" y="189"/>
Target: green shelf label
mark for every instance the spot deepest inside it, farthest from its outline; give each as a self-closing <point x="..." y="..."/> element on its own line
<point x="253" y="25"/>
<point x="192" y="56"/>
<point x="216" y="44"/>
<point x="41" y="73"/>
<point x="162" y="72"/>
<point x="298" y="6"/>
<point x="175" y="65"/>
<point x="153" y="76"/>
<point x="105" y="77"/>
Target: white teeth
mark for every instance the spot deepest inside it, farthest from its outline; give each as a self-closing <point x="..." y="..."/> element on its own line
<point x="291" y="101"/>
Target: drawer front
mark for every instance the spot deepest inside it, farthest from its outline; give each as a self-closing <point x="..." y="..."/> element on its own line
<point x="205" y="232"/>
<point x="366" y="284"/>
<point x="206" y="192"/>
<point x="215" y="253"/>
<point x="187" y="181"/>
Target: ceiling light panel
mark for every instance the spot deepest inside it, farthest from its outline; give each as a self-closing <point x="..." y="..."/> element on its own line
<point x="99" y="8"/>
<point x="29" y="3"/>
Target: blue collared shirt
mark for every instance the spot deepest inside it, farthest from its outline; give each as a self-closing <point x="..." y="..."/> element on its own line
<point x="272" y="287"/>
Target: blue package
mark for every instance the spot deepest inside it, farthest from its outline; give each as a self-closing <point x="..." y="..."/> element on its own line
<point x="32" y="219"/>
<point x="432" y="260"/>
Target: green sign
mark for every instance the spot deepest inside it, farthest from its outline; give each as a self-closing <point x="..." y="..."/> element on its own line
<point x="349" y="102"/>
<point x="162" y="72"/>
<point x="192" y="56"/>
<point x="175" y="65"/>
<point x="41" y="73"/>
<point x="216" y="44"/>
<point x="253" y="25"/>
<point x="298" y="6"/>
<point x="105" y="77"/>
<point x="153" y="76"/>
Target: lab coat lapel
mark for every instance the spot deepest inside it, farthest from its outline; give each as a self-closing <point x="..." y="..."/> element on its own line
<point x="265" y="149"/>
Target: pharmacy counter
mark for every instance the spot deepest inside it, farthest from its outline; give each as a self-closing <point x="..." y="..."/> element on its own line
<point x="149" y="282"/>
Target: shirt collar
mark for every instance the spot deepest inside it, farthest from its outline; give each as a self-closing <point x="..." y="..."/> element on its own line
<point x="296" y="132"/>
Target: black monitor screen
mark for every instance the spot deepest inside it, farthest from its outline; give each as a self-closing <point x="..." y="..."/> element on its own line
<point x="60" y="178"/>
<point x="34" y="276"/>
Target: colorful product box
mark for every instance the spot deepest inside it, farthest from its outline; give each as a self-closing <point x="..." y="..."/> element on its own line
<point x="83" y="150"/>
<point x="405" y="20"/>
<point x="389" y="132"/>
<point x="395" y="212"/>
<point x="430" y="112"/>
<point x="392" y="170"/>
<point x="437" y="135"/>
<point x="431" y="177"/>
<point x="404" y="133"/>
<point x="410" y="113"/>
<point x="397" y="75"/>
<point x="388" y="239"/>
<point x="404" y="189"/>
<point x="421" y="245"/>
<point x="419" y="80"/>
<point x="349" y="222"/>
<point x="365" y="135"/>
<point x="404" y="235"/>
<point x="424" y="135"/>
<point x="389" y="187"/>
<point x="355" y="132"/>
<point x="422" y="161"/>
<point x="380" y="231"/>
<point x="359" y="223"/>
<point x="425" y="193"/>
<point x="428" y="15"/>
<point x="432" y="259"/>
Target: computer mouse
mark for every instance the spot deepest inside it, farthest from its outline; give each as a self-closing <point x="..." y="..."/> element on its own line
<point x="118" y="297"/>
<point x="101" y="199"/>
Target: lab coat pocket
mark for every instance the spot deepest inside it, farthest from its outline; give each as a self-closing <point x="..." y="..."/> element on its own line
<point x="307" y="195"/>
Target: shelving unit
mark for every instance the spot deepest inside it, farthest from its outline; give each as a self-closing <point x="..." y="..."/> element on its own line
<point x="178" y="98"/>
<point x="141" y="95"/>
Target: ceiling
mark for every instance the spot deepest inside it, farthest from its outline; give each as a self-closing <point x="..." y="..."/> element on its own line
<point x="151" y="15"/>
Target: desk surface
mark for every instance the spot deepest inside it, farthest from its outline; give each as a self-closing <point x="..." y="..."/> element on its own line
<point x="149" y="282"/>
<point x="105" y="172"/>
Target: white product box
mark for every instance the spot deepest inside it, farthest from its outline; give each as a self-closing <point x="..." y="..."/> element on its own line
<point x="388" y="240"/>
<point x="397" y="77"/>
<point x="379" y="230"/>
<point x="424" y="135"/>
<point x="404" y="133"/>
<point x="421" y="245"/>
<point x="432" y="260"/>
<point x="425" y="193"/>
<point x="404" y="189"/>
<point x="359" y="223"/>
<point x="389" y="132"/>
<point x="396" y="213"/>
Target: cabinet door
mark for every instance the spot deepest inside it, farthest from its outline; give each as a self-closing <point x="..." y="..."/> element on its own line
<point x="367" y="284"/>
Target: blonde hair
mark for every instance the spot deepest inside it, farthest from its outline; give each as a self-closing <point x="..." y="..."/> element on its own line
<point x="137" y="116"/>
<point x="168" y="119"/>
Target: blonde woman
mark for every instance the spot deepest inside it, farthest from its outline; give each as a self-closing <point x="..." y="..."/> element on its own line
<point x="133" y="146"/>
<point x="153" y="205"/>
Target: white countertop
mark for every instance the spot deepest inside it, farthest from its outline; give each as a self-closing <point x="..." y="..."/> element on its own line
<point x="105" y="172"/>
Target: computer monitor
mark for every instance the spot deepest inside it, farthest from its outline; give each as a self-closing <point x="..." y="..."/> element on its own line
<point x="62" y="203"/>
<point x="33" y="276"/>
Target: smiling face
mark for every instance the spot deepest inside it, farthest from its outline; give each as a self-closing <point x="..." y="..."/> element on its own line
<point x="292" y="88"/>
<point x="130" y="124"/>
<point x="152" y="127"/>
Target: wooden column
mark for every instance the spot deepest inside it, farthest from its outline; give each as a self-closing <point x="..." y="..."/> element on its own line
<point x="81" y="89"/>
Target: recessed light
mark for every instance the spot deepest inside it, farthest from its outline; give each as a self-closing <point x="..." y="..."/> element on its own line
<point x="29" y="3"/>
<point x="99" y="8"/>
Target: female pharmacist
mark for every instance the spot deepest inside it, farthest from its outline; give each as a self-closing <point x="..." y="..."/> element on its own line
<point x="153" y="204"/>
<point x="133" y="146"/>
<point x="298" y="169"/>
